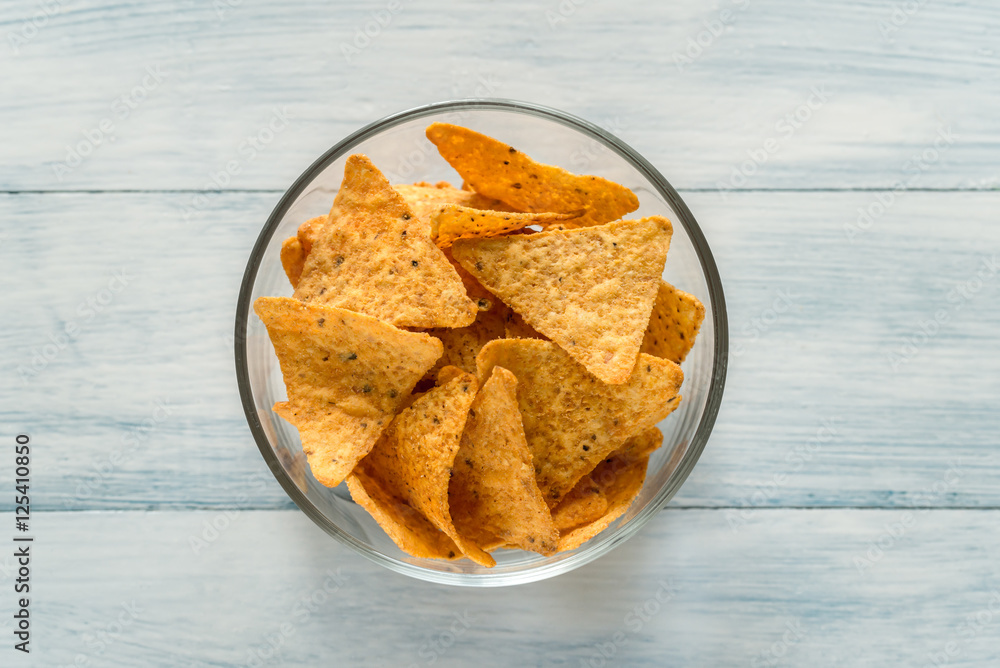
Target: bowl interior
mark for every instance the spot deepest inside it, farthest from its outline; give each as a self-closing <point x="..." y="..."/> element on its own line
<point x="397" y="146"/>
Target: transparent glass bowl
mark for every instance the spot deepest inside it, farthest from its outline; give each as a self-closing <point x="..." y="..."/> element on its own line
<point x="398" y="147"/>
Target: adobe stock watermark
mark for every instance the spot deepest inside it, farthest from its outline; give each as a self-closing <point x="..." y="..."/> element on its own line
<point x="31" y="26"/>
<point x="893" y="532"/>
<point x="104" y="131"/>
<point x="101" y="640"/>
<point x="798" y="457"/>
<point x="583" y="157"/>
<point x="927" y="329"/>
<point x="901" y="14"/>
<point x="757" y="326"/>
<point x="975" y="623"/>
<point x="634" y="622"/>
<point x="369" y="31"/>
<point x="304" y="608"/>
<point x="438" y="645"/>
<point x="562" y="12"/>
<point x="773" y="655"/>
<point x="55" y="342"/>
<point x="786" y="128"/>
<point x="712" y="30"/>
<point x="134" y="438"/>
<point x="246" y="152"/>
<point x="222" y="8"/>
<point x="912" y="168"/>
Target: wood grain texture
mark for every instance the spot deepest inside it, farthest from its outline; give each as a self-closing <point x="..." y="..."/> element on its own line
<point x="697" y="88"/>
<point x="140" y="408"/>
<point x="687" y="591"/>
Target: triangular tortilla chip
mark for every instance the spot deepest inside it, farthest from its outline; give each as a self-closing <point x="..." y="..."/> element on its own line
<point x="292" y="259"/>
<point x="414" y="458"/>
<point x="584" y="504"/>
<point x="409" y="530"/>
<point x="571" y="419"/>
<point x="374" y="257"/>
<point x="426" y="200"/>
<point x="493" y="491"/>
<point x="498" y="170"/>
<point x="453" y="222"/>
<point x="309" y="231"/>
<point x="346" y="375"/>
<point x="589" y="290"/>
<point x="462" y="344"/>
<point x="674" y="324"/>
<point x="620" y="479"/>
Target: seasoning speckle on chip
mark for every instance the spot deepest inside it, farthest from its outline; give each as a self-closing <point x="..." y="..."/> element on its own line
<point x="479" y="384"/>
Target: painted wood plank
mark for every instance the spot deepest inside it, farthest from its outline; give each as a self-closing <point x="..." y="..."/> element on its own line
<point x="140" y="409"/>
<point x="793" y="588"/>
<point x="164" y="95"/>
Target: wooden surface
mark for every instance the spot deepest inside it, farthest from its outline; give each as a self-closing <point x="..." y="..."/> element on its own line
<point x="845" y="509"/>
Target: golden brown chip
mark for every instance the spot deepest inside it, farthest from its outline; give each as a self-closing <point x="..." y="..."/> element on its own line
<point x="674" y="324"/>
<point x="408" y="529"/>
<point x="292" y="259"/>
<point x="309" y="231"/>
<point x="584" y="504"/>
<point x="414" y="458"/>
<point x="571" y="419"/>
<point x="346" y="376"/>
<point x="426" y="201"/>
<point x="589" y="290"/>
<point x="498" y="170"/>
<point x="480" y="296"/>
<point x="374" y="257"/>
<point x="625" y="482"/>
<point x="494" y="496"/>
<point x="462" y="344"/>
<point x="453" y="222"/>
<point x="516" y="328"/>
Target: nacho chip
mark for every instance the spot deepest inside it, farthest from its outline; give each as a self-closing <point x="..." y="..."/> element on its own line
<point x="292" y="259"/>
<point x="376" y="258"/>
<point x="589" y="290"/>
<point x="409" y="530"/>
<point x="462" y="344"/>
<point x="414" y="458"/>
<point x="498" y="170"/>
<point x="346" y="376"/>
<point x="309" y="231"/>
<point x="572" y="420"/>
<point x="674" y="324"/>
<point x="584" y="504"/>
<point x="480" y="296"/>
<point x="493" y="492"/>
<point x="516" y="328"/>
<point x="426" y="201"/>
<point x="453" y="222"/>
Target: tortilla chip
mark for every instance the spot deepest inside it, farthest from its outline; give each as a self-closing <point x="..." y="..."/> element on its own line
<point x="376" y="258"/>
<point x="480" y="296"/>
<point x="516" y="328"/>
<point x="626" y="483"/>
<point x="309" y="231"/>
<point x="498" y="170"/>
<point x="346" y="376"/>
<point x="409" y="530"/>
<point x="453" y="222"/>
<point x="414" y="458"/>
<point x="584" y="504"/>
<point x="462" y="344"/>
<point x="292" y="259"/>
<point x="571" y="420"/>
<point x="674" y="324"/>
<point x="426" y="201"/>
<point x="571" y="286"/>
<point x="494" y="496"/>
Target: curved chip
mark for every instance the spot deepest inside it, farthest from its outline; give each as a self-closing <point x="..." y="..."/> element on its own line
<point x="572" y="287"/>
<point x="584" y="504"/>
<point x="346" y="375"/>
<point x="494" y="497"/>
<point x="375" y="257"/>
<point x="498" y="170"/>
<point x="414" y="458"/>
<point x="292" y="259"/>
<point x="674" y="324"/>
<point x="453" y="222"/>
<point x="572" y="420"/>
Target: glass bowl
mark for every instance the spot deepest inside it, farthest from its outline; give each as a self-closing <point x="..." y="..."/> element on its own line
<point x="398" y="147"/>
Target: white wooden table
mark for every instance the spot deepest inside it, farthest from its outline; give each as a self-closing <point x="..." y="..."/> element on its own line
<point x="843" y="159"/>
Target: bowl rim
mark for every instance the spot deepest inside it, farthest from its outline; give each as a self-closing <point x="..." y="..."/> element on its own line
<point x="716" y="384"/>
